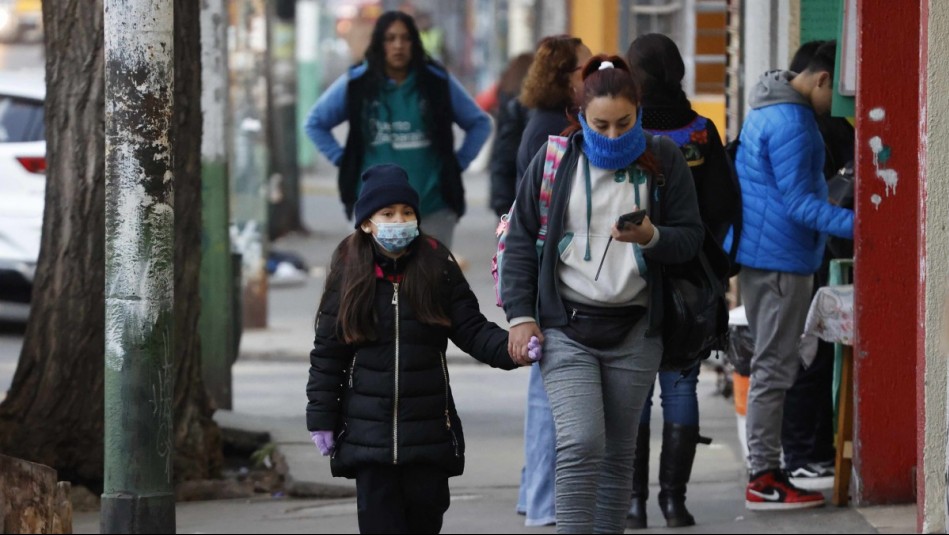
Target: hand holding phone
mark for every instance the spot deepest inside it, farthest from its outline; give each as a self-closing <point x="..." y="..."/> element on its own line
<point x="635" y="218"/>
<point x="632" y="218"/>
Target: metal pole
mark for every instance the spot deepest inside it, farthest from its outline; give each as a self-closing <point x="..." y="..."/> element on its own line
<point x="521" y="23"/>
<point x="284" y="206"/>
<point x="626" y="29"/>
<point x="138" y="495"/>
<point x="218" y="350"/>
<point x="687" y="24"/>
<point x="309" y="72"/>
<point x="249" y="161"/>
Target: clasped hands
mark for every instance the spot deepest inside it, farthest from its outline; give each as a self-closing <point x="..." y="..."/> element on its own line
<point x="525" y="343"/>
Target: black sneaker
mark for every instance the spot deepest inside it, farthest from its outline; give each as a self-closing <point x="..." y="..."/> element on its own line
<point x="813" y="476"/>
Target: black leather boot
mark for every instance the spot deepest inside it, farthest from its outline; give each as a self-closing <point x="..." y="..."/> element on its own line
<point x="675" y="468"/>
<point x="636" y="518"/>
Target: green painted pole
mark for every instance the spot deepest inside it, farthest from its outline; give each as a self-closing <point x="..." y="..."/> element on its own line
<point x="138" y="494"/>
<point x="216" y="322"/>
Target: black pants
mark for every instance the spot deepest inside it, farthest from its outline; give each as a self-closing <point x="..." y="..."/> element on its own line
<point x="807" y="432"/>
<point x="401" y="499"/>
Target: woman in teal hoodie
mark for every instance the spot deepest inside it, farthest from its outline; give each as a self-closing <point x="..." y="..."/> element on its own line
<point x="396" y="103"/>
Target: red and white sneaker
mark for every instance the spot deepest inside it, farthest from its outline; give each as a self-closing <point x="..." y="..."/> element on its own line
<point x="772" y="491"/>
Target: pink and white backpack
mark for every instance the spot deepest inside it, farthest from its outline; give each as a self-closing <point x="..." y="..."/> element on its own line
<point x="556" y="147"/>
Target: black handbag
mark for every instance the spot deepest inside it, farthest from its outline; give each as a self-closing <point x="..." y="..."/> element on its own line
<point x="840" y="187"/>
<point x="695" y="311"/>
<point x="694" y="307"/>
<point x="840" y="192"/>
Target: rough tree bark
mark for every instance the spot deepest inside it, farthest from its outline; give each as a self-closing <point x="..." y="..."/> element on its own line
<point x="197" y="437"/>
<point x="53" y="413"/>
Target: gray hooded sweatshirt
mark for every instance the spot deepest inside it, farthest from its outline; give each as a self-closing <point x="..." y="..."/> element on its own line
<point x="774" y="87"/>
<point x="780" y="166"/>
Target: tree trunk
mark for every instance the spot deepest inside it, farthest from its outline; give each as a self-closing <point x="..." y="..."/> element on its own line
<point x="31" y="500"/>
<point x="53" y="413"/>
<point x="197" y="437"/>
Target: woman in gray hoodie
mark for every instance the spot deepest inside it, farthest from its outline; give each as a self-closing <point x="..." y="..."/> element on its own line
<point x="600" y="327"/>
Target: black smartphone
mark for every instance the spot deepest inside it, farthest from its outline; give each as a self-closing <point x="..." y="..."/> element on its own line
<point x="635" y="218"/>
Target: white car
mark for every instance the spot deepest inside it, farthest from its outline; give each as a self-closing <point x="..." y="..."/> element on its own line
<point x="22" y="187"/>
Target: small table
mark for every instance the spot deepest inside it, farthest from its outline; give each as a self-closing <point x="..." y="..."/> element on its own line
<point x="830" y="318"/>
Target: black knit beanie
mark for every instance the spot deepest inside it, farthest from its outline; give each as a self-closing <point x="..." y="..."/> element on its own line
<point x="384" y="185"/>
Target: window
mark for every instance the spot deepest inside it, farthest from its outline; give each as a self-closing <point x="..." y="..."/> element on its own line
<point x="21" y="120"/>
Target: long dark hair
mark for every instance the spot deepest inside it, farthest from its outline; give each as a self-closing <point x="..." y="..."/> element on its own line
<point x="657" y="66"/>
<point x="615" y="82"/>
<point x="375" y="56"/>
<point x="352" y="273"/>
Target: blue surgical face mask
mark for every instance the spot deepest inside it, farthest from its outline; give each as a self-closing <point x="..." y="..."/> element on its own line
<point x="614" y="153"/>
<point x="395" y="237"/>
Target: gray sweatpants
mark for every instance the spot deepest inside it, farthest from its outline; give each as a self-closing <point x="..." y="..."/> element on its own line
<point x="597" y="398"/>
<point x="776" y="304"/>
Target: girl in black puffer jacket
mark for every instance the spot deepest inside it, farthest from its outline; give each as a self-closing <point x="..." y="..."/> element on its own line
<point x="379" y="398"/>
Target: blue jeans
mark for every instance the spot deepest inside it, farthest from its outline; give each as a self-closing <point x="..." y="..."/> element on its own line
<point x="679" y="403"/>
<point x="536" y="496"/>
<point x="597" y="396"/>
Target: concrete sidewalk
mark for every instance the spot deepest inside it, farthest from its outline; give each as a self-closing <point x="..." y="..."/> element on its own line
<point x="269" y="381"/>
<point x="491" y="406"/>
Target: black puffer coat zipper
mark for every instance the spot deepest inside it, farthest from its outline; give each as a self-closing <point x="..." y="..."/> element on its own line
<point x="395" y="408"/>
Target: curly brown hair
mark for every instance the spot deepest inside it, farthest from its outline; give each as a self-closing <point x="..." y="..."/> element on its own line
<point x="547" y="84"/>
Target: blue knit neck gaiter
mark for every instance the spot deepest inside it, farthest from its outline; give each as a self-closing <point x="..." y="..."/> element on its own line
<point x="618" y="153"/>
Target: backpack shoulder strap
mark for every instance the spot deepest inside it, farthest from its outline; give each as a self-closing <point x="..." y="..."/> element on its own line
<point x="556" y="148"/>
<point x="731" y="152"/>
<point x="655" y="146"/>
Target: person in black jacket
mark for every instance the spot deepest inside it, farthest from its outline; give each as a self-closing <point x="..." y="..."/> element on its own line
<point x="549" y="92"/>
<point x="657" y="64"/>
<point x="379" y="398"/>
<point x="511" y="120"/>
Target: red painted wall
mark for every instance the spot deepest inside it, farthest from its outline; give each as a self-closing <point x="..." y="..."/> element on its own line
<point x="887" y="272"/>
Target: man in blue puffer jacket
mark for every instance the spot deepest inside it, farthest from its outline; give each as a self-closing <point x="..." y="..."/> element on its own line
<point x="786" y="219"/>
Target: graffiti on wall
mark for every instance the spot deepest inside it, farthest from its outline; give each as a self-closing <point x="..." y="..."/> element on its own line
<point x="881" y="155"/>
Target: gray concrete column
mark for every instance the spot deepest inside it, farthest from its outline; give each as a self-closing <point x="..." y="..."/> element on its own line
<point x="934" y="169"/>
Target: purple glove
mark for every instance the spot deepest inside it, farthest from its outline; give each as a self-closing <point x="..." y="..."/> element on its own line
<point x="534" y="349"/>
<point x="324" y="441"/>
